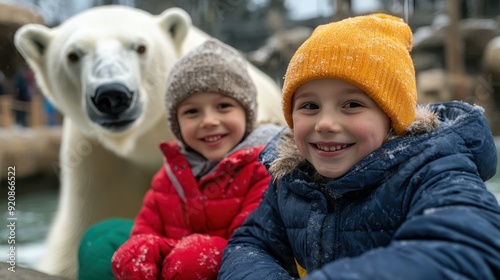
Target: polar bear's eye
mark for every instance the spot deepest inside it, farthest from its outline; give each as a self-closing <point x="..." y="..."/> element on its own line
<point x="141" y="49"/>
<point x="73" y="57"/>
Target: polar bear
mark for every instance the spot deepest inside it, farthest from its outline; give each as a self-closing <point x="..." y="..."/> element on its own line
<point x="106" y="69"/>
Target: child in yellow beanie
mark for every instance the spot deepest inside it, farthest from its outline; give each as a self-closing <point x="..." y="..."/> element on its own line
<point x="366" y="183"/>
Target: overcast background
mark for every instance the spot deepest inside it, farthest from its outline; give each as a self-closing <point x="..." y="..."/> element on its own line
<point x="58" y="10"/>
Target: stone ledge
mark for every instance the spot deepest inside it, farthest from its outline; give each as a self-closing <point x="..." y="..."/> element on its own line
<point x="31" y="151"/>
<point x="22" y="273"/>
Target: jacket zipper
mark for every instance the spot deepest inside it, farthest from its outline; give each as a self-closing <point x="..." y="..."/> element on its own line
<point x="329" y="200"/>
<point x="336" y="244"/>
<point x="334" y="206"/>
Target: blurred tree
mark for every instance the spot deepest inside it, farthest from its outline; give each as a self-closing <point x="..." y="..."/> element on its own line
<point x="454" y="50"/>
<point x="343" y="9"/>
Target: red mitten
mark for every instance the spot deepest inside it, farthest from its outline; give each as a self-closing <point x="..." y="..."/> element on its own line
<point x="197" y="256"/>
<point x="141" y="257"/>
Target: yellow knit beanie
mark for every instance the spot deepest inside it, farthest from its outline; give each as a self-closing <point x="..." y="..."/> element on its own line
<point x="371" y="52"/>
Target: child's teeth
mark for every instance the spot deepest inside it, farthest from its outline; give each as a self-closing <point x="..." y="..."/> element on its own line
<point x="212" y="139"/>
<point x="330" y="148"/>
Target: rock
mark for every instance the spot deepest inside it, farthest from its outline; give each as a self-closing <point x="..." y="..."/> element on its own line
<point x="21" y="273"/>
<point x="31" y="151"/>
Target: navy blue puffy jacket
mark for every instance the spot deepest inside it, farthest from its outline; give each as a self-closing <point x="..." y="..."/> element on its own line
<point x="416" y="208"/>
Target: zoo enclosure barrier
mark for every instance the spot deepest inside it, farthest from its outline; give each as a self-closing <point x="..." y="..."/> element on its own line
<point x="36" y="116"/>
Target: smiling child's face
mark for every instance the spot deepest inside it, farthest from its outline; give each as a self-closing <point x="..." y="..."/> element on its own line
<point x="211" y="123"/>
<point x="336" y="125"/>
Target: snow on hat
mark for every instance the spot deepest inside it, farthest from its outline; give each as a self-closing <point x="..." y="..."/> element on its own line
<point x="211" y="67"/>
<point x="372" y="52"/>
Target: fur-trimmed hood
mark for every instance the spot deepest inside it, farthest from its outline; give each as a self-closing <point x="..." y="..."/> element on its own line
<point x="427" y="119"/>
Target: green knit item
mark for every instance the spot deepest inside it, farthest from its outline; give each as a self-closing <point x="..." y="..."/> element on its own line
<point x="97" y="247"/>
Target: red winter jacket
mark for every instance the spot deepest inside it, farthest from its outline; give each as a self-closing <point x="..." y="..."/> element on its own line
<point x="182" y="236"/>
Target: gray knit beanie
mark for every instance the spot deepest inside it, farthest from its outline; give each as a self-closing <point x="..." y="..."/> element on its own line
<point x="211" y="67"/>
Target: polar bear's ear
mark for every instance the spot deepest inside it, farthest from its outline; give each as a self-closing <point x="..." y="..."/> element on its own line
<point x="176" y="23"/>
<point x="31" y="41"/>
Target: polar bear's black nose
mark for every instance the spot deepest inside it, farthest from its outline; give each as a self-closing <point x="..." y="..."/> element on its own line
<point x="112" y="99"/>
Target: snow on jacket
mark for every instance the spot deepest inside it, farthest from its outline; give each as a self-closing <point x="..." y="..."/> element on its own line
<point x="184" y="223"/>
<point x="416" y="208"/>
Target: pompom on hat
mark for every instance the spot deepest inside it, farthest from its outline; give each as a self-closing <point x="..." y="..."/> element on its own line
<point x="211" y="67"/>
<point x="371" y="52"/>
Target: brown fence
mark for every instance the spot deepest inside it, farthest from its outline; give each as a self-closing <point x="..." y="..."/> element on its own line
<point x="34" y="109"/>
<point x="33" y="151"/>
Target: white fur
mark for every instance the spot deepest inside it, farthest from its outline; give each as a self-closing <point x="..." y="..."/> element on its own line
<point x="103" y="173"/>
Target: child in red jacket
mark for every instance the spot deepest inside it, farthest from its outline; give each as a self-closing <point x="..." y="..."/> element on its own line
<point x="211" y="179"/>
